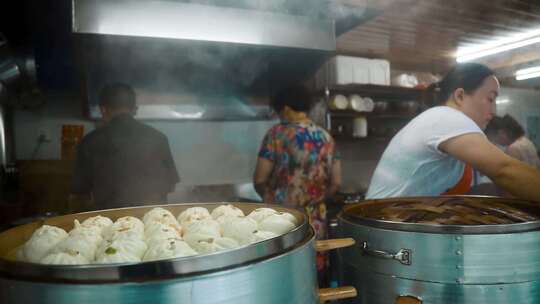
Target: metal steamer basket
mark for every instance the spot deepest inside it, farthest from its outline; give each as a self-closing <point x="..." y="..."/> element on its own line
<point x="278" y="270"/>
<point x="426" y="262"/>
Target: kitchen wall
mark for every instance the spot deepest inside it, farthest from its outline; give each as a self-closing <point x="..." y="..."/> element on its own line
<point x="47" y="119"/>
<point x="205" y="152"/>
<point x="359" y="160"/>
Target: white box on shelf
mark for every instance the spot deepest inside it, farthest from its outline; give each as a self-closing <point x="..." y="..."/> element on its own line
<point x="342" y="70"/>
<point x="379" y="72"/>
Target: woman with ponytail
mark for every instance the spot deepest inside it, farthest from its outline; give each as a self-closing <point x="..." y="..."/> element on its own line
<point x="435" y="153"/>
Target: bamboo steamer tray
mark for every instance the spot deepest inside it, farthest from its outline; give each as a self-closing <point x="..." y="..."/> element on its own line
<point x="474" y="214"/>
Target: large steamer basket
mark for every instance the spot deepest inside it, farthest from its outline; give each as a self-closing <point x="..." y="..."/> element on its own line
<point x="436" y="263"/>
<point x="278" y="270"/>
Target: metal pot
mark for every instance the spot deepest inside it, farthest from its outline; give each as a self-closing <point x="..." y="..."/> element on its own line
<point x="434" y="263"/>
<point x="408" y="107"/>
<point x="278" y="270"/>
<point x="380" y="107"/>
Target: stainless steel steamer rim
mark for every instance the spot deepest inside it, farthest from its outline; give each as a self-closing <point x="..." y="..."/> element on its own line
<point x="348" y="216"/>
<point x="185" y="266"/>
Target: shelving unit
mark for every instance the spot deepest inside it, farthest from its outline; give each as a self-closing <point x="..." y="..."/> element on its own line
<point x="371" y="115"/>
<point x="378" y="91"/>
<point x="381" y="124"/>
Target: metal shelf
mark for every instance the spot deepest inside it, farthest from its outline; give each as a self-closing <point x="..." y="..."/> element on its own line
<point x="371" y="115"/>
<point x="378" y="91"/>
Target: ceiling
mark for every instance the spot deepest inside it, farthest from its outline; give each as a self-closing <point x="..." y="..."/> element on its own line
<point x="423" y="35"/>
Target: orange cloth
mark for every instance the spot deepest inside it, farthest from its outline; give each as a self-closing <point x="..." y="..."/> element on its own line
<point x="464" y="184"/>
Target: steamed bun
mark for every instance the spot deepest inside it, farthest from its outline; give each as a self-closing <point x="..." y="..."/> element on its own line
<point x="114" y="256"/>
<point x="77" y="244"/>
<point x="241" y="229"/>
<point x="159" y="215"/>
<point x="260" y="214"/>
<point x="226" y="210"/>
<point x="264" y="235"/>
<point x="217" y="244"/>
<point x="100" y="222"/>
<point x="277" y="223"/>
<point x="65" y="258"/>
<point x="121" y="250"/>
<point x="168" y="249"/>
<point x="90" y="233"/>
<point x="290" y="217"/>
<point x="157" y="231"/>
<point x="126" y="224"/>
<point x="204" y="230"/>
<point x="193" y="214"/>
<point x="41" y="242"/>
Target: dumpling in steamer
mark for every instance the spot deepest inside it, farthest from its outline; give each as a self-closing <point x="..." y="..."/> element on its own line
<point x="99" y="221"/>
<point x="213" y="245"/>
<point x="204" y="230"/>
<point x="157" y="227"/>
<point x="242" y="229"/>
<point x="264" y="235"/>
<point x="91" y="233"/>
<point x="226" y="210"/>
<point x="130" y="222"/>
<point x="260" y="214"/>
<point x="121" y="250"/>
<point x="226" y="218"/>
<point x="123" y="225"/>
<point x="168" y="249"/>
<point x="277" y="223"/>
<point x="41" y="242"/>
<point x="157" y="231"/>
<point x="193" y="214"/>
<point x="159" y="215"/>
<point x="64" y="258"/>
<point x="289" y="217"/>
<point x="126" y="235"/>
<point x="77" y="244"/>
<point x="112" y="255"/>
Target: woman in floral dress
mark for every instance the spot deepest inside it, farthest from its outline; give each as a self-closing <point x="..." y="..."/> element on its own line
<point x="298" y="165"/>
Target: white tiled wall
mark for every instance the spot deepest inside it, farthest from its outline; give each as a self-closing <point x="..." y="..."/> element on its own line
<point x="205" y="152"/>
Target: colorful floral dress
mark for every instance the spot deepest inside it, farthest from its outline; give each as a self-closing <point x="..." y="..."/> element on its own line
<point x="303" y="154"/>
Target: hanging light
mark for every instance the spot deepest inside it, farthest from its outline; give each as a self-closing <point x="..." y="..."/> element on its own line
<point x="528" y="73"/>
<point x="498" y="46"/>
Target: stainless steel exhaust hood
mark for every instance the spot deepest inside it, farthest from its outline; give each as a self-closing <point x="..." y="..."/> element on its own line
<point x="189" y="60"/>
<point x="177" y="20"/>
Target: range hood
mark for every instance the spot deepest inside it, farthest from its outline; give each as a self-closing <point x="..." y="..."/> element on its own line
<point x="190" y="60"/>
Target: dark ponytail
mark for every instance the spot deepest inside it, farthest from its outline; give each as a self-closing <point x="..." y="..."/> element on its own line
<point x="467" y="76"/>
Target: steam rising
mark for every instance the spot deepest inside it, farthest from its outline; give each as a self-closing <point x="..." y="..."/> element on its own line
<point x="211" y="76"/>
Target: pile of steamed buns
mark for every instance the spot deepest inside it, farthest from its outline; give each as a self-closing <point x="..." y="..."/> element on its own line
<point x="159" y="235"/>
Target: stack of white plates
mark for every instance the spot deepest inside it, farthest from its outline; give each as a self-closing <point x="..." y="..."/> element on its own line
<point x="339" y="102"/>
<point x="360" y="104"/>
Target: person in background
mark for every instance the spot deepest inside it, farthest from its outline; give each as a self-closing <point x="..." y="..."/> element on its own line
<point x="481" y="184"/>
<point x="492" y="130"/>
<point x="298" y="165"/>
<point x="435" y="153"/>
<point x="509" y="133"/>
<point x="124" y="162"/>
